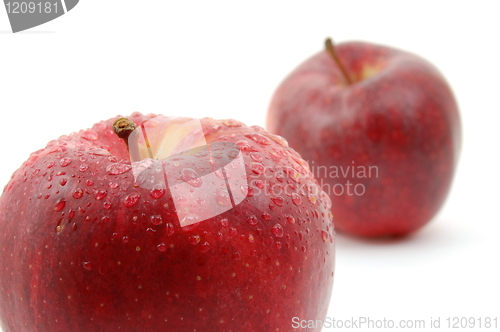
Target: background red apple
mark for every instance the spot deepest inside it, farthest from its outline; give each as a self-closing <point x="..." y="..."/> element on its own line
<point x="381" y="130"/>
<point x="88" y="245"/>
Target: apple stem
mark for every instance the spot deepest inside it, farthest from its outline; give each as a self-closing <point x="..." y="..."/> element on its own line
<point x="123" y="128"/>
<point x="330" y="48"/>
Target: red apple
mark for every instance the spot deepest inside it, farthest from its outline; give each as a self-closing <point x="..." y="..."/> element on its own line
<point x="201" y="225"/>
<point x="380" y="128"/>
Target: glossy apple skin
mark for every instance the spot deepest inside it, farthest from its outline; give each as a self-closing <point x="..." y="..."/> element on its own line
<point x="399" y="115"/>
<point x="114" y="257"/>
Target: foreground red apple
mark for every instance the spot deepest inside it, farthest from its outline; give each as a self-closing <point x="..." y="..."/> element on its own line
<point x="380" y="129"/>
<point x="211" y="227"/>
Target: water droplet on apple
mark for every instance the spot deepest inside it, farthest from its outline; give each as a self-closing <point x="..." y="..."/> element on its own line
<point x="251" y="239"/>
<point x="194" y="240"/>
<point x="190" y="221"/>
<point x="218" y="154"/>
<point x="277" y="230"/>
<point x="296" y="199"/>
<point x="266" y="216"/>
<point x="256" y="157"/>
<point x="252" y="220"/>
<point x="231" y="123"/>
<point x="99" y="152"/>
<point x="280" y="177"/>
<point x="246" y="146"/>
<point x="118" y="168"/>
<point x="106" y="205"/>
<point x="65" y="161"/>
<point x="279" y="201"/>
<point x="157" y="192"/>
<point x="280" y="140"/>
<point x="87" y="266"/>
<point x="327" y="200"/>
<point x="290" y="219"/>
<point x="258" y="129"/>
<point x="222" y="197"/>
<point x="125" y="239"/>
<point x="224" y="222"/>
<point x="232" y="232"/>
<point x="258" y="138"/>
<point x="259" y="184"/>
<point x="292" y="173"/>
<point x="60" y="205"/>
<point x="83" y="167"/>
<point x="190" y="176"/>
<point x="156" y="220"/>
<point x="169" y="229"/>
<point x="244" y="189"/>
<point x="113" y="185"/>
<point x="236" y="256"/>
<point x="204" y="247"/>
<point x="257" y="168"/>
<point x="162" y="247"/>
<point x="324" y="235"/>
<point x="234" y="153"/>
<point x="109" y="133"/>
<point x="90" y="135"/>
<point x="131" y="200"/>
<point x="100" y="194"/>
<point x="62" y="182"/>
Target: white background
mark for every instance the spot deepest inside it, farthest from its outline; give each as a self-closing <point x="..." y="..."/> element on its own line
<point x="224" y="60"/>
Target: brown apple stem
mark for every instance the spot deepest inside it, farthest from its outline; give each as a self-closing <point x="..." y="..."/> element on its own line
<point x="330" y="48"/>
<point x="123" y="128"/>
